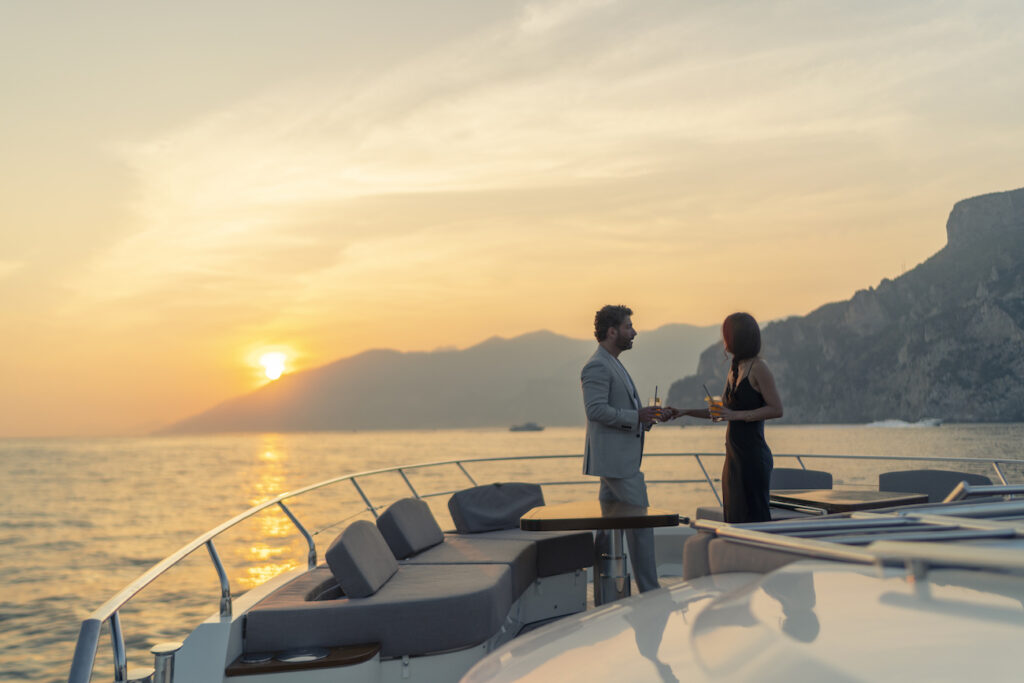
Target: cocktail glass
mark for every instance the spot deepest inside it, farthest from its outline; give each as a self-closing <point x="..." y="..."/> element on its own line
<point x="655" y="402"/>
<point x="714" y="407"/>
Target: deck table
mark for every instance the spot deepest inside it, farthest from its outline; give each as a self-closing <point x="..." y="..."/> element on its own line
<point x="829" y="501"/>
<point x="611" y="579"/>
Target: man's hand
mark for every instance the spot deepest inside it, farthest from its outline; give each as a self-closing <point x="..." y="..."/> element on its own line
<point x="670" y="413"/>
<point x="649" y="414"/>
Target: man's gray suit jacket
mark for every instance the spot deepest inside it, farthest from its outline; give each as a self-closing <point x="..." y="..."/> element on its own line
<point x="615" y="438"/>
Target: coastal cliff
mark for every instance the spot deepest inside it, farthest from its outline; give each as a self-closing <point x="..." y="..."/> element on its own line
<point x="944" y="340"/>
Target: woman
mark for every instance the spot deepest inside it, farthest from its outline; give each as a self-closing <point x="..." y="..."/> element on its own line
<point x="750" y="398"/>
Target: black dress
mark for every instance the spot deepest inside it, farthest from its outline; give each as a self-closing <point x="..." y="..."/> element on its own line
<point x="748" y="460"/>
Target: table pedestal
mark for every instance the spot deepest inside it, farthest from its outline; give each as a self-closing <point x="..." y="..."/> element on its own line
<point x="611" y="579"/>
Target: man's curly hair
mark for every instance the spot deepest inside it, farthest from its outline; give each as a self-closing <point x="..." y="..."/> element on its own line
<point x="609" y="316"/>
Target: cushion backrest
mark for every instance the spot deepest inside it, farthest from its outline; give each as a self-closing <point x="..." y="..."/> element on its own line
<point x="409" y="527"/>
<point x="936" y="483"/>
<point x="493" y="506"/>
<point x="799" y="478"/>
<point x="360" y="560"/>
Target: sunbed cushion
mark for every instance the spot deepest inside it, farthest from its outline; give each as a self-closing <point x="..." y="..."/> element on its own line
<point x="558" y="552"/>
<point x="421" y="610"/>
<point x="409" y="527"/>
<point x="493" y="506"/>
<point x="798" y="478"/>
<point x="519" y="555"/>
<point x="360" y="560"/>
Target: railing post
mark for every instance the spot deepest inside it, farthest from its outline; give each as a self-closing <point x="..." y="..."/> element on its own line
<point x="117" y="642"/>
<point x="466" y="472"/>
<point x="163" y="661"/>
<point x="369" y="505"/>
<point x="408" y="483"/>
<point x="225" y="586"/>
<point x="140" y="675"/>
<point x="85" y="651"/>
<point x="999" y="473"/>
<point x="711" y="484"/>
<point x="311" y="557"/>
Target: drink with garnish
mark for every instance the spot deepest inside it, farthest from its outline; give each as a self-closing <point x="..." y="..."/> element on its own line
<point x="714" y="405"/>
<point x="655" y="403"/>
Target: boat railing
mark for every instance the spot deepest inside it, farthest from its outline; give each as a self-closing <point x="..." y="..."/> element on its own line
<point x="89" y="633"/>
<point x="964" y="490"/>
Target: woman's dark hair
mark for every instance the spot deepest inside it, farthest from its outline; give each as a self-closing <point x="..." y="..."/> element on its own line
<point x="609" y="316"/>
<point x="742" y="339"/>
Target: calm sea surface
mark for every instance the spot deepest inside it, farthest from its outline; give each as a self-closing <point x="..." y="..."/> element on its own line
<point x="83" y="517"/>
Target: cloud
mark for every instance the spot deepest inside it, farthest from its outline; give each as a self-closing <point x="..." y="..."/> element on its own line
<point x="541" y="17"/>
<point x="267" y="196"/>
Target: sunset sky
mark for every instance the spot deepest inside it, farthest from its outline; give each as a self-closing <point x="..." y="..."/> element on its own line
<point x="187" y="186"/>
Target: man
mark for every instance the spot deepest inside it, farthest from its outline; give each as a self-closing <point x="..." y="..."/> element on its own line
<point x="616" y="423"/>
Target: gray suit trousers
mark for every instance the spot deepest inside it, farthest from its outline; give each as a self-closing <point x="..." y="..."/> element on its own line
<point x="632" y="490"/>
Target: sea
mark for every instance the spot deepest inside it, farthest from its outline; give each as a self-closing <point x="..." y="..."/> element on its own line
<point x="83" y="517"/>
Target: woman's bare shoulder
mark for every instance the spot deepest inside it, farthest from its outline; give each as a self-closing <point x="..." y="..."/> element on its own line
<point x="758" y="371"/>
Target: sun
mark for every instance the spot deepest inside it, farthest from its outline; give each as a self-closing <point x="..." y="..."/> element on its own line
<point x="273" y="364"/>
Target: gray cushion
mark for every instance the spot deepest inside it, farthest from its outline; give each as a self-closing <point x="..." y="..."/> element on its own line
<point x="799" y="478"/>
<point x="936" y="483"/>
<point x="422" y="609"/>
<point x="558" y="552"/>
<point x="519" y="555"/>
<point x="409" y="527"/>
<point x="493" y="506"/>
<point x="360" y="560"/>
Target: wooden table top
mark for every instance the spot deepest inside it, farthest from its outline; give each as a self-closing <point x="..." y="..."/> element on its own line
<point x="845" y="500"/>
<point x="594" y="514"/>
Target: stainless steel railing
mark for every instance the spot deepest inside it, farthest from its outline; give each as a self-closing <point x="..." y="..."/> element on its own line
<point x="90" y="630"/>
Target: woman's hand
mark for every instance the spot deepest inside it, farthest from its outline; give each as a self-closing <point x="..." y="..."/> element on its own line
<point x="727" y="414"/>
<point x="670" y="413"/>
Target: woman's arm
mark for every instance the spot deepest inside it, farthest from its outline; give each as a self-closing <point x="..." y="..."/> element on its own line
<point x="689" y="412"/>
<point x="763" y="381"/>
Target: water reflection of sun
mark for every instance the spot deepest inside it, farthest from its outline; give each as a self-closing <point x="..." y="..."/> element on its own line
<point x="267" y="557"/>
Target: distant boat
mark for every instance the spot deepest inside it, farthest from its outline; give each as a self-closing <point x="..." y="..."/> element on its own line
<point x="924" y="422"/>
<point x="526" y="427"/>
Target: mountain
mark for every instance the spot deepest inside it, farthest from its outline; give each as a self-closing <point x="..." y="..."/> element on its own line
<point x="944" y="340"/>
<point x="498" y="382"/>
